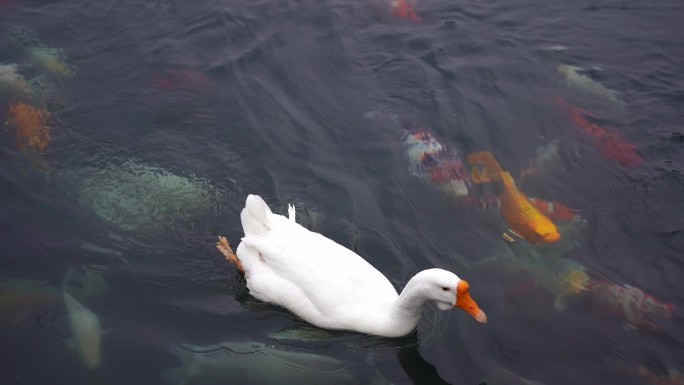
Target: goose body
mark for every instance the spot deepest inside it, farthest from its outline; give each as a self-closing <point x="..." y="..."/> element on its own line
<point x="329" y="285"/>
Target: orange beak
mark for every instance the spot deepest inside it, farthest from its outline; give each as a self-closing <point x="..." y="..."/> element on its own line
<point x="467" y="303"/>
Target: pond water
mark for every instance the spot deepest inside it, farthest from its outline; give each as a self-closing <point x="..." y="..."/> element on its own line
<point x="133" y="132"/>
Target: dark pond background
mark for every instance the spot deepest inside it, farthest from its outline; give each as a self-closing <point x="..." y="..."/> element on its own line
<point x="271" y="97"/>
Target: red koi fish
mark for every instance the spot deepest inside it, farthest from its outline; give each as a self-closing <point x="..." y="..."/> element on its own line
<point x="673" y="377"/>
<point x="555" y="211"/>
<point x="431" y="160"/>
<point x="608" y="140"/>
<point x="629" y="303"/>
<point x="401" y="8"/>
<point x="175" y="78"/>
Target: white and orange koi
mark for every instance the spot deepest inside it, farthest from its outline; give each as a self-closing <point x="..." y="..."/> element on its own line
<point x="629" y="303"/>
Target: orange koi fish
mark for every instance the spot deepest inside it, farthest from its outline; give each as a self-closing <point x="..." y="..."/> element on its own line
<point x="20" y="298"/>
<point x="402" y="8"/>
<point x="608" y="140"/>
<point x="555" y="211"/>
<point x="520" y="213"/>
<point x="30" y="126"/>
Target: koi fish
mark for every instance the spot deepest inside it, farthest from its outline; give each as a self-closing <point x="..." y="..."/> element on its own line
<point x="545" y="157"/>
<point x="629" y="303"/>
<point x="176" y="78"/>
<point x="401" y="8"/>
<point x="245" y="362"/>
<point x="575" y="78"/>
<point x="563" y="278"/>
<point x="86" y="331"/>
<point x="503" y="376"/>
<point x="443" y="167"/>
<point x="20" y="298"/>
<point x="430" y="160"/>
<point x="421" y="148"/>
<point x="11" y="79"/>
<point x="673" y="377"/>
<point x="30" y="126"/>
<point x="520" y="213"/>
<point x="609" y="141"/>
<point x="555" y="211"/>
<point x="51" y="59"/>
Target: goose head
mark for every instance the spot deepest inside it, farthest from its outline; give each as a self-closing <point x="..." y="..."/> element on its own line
<point x="449" y="291"/>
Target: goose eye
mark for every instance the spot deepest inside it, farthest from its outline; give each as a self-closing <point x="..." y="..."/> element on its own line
<point x="445" y="288"/>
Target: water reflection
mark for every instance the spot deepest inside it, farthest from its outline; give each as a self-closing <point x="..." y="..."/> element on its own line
<point x="416" y="367"/>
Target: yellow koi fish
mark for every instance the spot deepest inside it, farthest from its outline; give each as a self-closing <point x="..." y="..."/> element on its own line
<point x="520" y="213"/>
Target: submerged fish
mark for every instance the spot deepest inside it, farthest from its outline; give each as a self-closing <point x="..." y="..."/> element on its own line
<point x="444" y="168"/>
<point x="20" y="298"/>
<point x="520" y="213"/>
<point x="86" y="332"/>
<point x="673" y="376"/>
<point x="30" y="125"/>
<point x="170" y="79"/>
<point x="545" y="158"/>
<point x="628" y="303"/>
<point x="432" y="161"/>
<point x="139" y="198"/>
<point x="12" y="80"/>
<point x="563" y="278"/>
<point x="401" y="8"/>
<point x="85" y="282"/>
<point x="51" y="59"/>
<point x="556" y="211"/>
<point x="429" y="159"/>
<point x="608" y="140"/>
<point x="254" y="363"/>
<point x="575" y="78"/>
<point x="502" y="376"/>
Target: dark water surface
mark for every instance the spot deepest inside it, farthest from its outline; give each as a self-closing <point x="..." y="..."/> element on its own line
<point x="165" y="115"/>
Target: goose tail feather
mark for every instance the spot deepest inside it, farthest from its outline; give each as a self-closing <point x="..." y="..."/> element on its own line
<point x="255" y="216"/>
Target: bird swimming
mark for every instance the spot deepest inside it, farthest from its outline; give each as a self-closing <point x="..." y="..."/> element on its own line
<point x="329" y="285"/>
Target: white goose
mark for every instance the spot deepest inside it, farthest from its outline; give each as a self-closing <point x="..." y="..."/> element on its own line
<point x="329" y="285"/>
